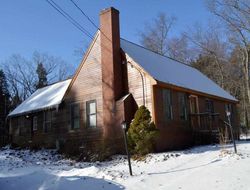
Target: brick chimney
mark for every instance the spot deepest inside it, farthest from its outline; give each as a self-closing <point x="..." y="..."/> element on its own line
<point x="112" y="68"/>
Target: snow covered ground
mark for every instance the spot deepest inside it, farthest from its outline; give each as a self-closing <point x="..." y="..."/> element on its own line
<point x="204" y="167"/>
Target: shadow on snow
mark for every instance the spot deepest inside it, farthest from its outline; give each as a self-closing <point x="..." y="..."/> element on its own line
<point x="185" y="169"/>
<point x="41" y="180"/>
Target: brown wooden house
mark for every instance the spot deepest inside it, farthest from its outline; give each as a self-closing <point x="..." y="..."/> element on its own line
<point x="114" y="78"/>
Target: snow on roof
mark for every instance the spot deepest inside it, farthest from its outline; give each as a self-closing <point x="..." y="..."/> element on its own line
<point x="172" y="72"/>
<point x="47" y="97"/>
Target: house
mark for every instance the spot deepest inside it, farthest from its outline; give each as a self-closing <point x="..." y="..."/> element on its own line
<point x="84" y="114"/>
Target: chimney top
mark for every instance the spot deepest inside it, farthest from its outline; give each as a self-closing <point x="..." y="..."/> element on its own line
<point x="108" y="9"/>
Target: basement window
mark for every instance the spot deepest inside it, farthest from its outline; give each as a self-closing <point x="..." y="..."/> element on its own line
<point x="91" y="113"/>
<point x="75" y="116"/>
<point x="167" y="104"/>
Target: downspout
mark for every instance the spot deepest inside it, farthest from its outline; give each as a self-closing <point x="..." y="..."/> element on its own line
<point x="142" y="80"/>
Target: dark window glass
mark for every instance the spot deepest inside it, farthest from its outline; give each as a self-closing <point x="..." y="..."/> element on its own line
<point x="53" y="115"/>
<point x="75" y="116"/>
<point x="183" y="106"/>
<point x="34" y="123"/>
<point x="47" y="121"/>
<point x="167" y="104"/>
<point x="229" y="108"/>
<point x="209" y="106"/>
<point x="21" y="127"/>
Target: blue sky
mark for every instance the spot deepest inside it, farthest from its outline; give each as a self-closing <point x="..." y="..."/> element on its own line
<point x="30" y="25"/>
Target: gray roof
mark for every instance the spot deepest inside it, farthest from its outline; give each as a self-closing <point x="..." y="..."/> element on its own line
<point x="170" y="71"/>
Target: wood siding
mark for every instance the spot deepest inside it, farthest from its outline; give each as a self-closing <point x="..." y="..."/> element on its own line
<point x="176" y="133"/>
<point x="135" y="84"/>
<point x="86" y="86"/>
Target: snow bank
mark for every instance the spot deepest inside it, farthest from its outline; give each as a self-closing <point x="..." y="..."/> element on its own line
<point x="204" y="167"/>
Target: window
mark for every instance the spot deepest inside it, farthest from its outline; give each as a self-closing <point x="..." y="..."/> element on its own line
<point x="194" y="104"/>
<point x="209" y="106"/>
<point x="47" y="121"/>
<point x="53" y="116"/>
<point x="183" y="106"/>
<point x="75" y="116"/>
<point x="91" y="113"/>
<point x="167" y="104"/>
<point x="34" y="123"/>
<point x="21" y="128"/>
<point x="229" y="108"/>
<point x="10" y="129"/>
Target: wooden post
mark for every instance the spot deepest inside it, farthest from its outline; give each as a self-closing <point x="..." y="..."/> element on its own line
<point x="231" y="130"/>
<point x="124" y="127"/>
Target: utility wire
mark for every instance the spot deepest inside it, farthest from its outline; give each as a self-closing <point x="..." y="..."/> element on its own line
<point x="92" y="22"/>
<point x="69" y="18"/>
<point x="89" y="19"/>
<point x="74" y="22"/>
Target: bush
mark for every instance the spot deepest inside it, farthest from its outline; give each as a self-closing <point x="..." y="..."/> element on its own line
<point x="142" y="133"/>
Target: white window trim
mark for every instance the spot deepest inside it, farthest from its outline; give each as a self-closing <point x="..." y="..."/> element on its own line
<point x="88" y="114"/>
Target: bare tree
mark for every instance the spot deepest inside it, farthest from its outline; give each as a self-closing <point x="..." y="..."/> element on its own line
<point x="178" y="48"/>
<point x="211" y="43"/>
<point x="156" y="34"/>
<point x="235" y="14"/>
<point x="56" y="68"/>
<point x="156" y="37"/>
<point x="22" y="77"/>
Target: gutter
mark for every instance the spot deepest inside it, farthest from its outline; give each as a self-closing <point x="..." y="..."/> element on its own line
<point x="56" y="106"/>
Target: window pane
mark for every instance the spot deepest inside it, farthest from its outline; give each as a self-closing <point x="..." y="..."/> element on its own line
<point x="167" y="103"/>
<point x="92" y="108"/>
<point x="53" y="115"/>
<point x="20" y="121"/>
<point x="209" y="106"/>
<point x="76" y="110"/>
<point x="229" y="108"/>
<point x="48" y="116"/>
<point x="183" y="106"/>
<point x="92" y="120"/>
<point x="35" y="123"/>
<point x="46" y="127"/>
<point x="76" y="123"/>
<point x="168" y="97"/>
<point x="91" y="113"/>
